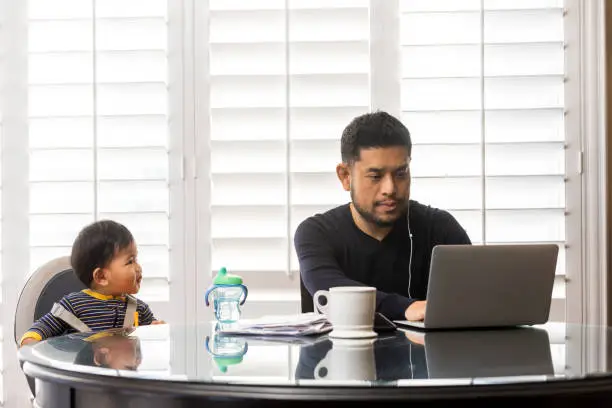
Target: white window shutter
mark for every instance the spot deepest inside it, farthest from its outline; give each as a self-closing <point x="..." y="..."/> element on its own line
<point x="483" y="96"/>
<point x="284" y="83"/>
<point x="495" y="111"/>
<point x="329" y="79"/>
<point x="98" y="130"/>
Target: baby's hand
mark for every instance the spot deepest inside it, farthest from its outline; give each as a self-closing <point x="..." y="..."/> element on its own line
<point x="28" y="341"/>
<point x="158" y="322"/>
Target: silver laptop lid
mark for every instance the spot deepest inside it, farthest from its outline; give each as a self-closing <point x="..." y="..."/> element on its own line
<point x="490" y="285"/>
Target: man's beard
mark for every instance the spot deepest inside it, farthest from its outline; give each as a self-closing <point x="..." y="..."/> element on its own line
<point x="370" y="217"/>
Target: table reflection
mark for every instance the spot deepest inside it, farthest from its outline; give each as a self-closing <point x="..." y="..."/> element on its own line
<point x="388" y="360"/>
<point x="432" y="355"/>
<point x="117" y="351"/>
<point x="187" y="360"/>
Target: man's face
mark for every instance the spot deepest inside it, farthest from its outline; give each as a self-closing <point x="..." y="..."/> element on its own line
<point x="379" y="183"/>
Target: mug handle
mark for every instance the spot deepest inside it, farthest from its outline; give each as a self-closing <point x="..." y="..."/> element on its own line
<point x="318" y="307"/>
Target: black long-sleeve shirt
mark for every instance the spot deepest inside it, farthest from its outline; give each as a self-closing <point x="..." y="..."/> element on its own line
<point x="333" y="251"/>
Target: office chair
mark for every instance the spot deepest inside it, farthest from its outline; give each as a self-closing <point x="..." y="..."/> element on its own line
<point x="306" y="298"/>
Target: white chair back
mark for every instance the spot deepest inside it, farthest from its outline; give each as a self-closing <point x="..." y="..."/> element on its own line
<point x="32" y="290"/>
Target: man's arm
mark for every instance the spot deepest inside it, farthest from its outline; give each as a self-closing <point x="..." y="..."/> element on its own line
<point x="320" y="270"/>
<point x="451" y="232"/>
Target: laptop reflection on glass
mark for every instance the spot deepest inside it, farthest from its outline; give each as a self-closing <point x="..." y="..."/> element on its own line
<point x="478" y="286"/>
<point x="485" y="353"/>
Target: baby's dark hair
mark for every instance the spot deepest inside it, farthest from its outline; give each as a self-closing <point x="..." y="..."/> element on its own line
<point x="96" y="246"/>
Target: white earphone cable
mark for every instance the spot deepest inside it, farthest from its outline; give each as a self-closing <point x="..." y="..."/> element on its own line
<point x="410" y="260"/>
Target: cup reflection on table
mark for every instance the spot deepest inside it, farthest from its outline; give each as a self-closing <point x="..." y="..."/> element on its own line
<point x="226" y="350"/>
<point x="348" y="360"/>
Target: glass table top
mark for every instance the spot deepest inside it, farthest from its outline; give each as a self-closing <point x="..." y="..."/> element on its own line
<point x="197" y="353"/>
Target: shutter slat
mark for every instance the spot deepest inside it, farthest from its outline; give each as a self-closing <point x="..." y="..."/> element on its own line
<point x="113" y="131"/>
<point x="256" y="254"/>
<point x="147" y="228"/>
<point x="464" y="127"/>
<point x="247" y="222"/>
<point x="248" y="189"/>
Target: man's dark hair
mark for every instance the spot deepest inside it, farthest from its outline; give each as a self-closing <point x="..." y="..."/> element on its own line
<point x="95" y="247"/>
<point x="371" y="130"/>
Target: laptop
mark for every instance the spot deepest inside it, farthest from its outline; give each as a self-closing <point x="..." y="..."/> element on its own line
<point x="507" y="352"/>
<point x="479" y="286"/>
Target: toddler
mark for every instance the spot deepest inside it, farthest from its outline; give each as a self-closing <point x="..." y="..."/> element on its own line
<point x="104" y="258"/>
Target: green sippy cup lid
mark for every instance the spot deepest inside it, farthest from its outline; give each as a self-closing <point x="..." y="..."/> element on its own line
<point x="224" y="278"/>
<point x="224" y="362"/>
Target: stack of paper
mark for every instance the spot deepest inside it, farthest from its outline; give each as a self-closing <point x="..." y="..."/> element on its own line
<point x="304" y="324"/>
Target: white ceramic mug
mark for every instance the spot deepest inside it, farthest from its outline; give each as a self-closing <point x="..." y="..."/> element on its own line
<point x="348" y="360"/>
<point x="350" y="310"/>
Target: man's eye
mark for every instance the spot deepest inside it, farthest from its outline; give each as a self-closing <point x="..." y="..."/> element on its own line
<point x="374" y="176"/>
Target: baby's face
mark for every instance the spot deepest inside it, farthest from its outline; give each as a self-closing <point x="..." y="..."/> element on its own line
<point x="118" y="353"/>
<point x="124" y="272"/>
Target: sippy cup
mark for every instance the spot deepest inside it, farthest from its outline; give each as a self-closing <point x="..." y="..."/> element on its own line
<point x="227" y="295"/>
<point x="226" y="350"/>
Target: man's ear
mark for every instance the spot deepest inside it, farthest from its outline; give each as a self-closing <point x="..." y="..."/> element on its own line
<point x="99" y="277"/>
<point x="344" y="175"/>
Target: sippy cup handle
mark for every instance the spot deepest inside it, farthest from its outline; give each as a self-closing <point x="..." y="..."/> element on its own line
<point x="245" y="293"/>
<point x="208" y="294"/>
<point x="206" y="344"/>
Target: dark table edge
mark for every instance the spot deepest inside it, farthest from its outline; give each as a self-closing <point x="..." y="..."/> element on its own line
<point x="100" y="383"/>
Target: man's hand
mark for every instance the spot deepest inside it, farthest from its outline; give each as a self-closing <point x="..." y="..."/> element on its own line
<point x="416" y="311"/>
<point x="416" y="338"/>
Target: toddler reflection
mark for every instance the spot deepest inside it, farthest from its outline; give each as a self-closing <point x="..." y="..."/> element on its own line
<point x="114" y="350"/>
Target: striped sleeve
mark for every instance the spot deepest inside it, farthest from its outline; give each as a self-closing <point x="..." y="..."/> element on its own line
<point x="145" y="315"/>
<point x="49" y="325"/>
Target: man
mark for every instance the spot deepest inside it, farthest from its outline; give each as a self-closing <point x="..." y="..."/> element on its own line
<point x="381" y="238"/>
